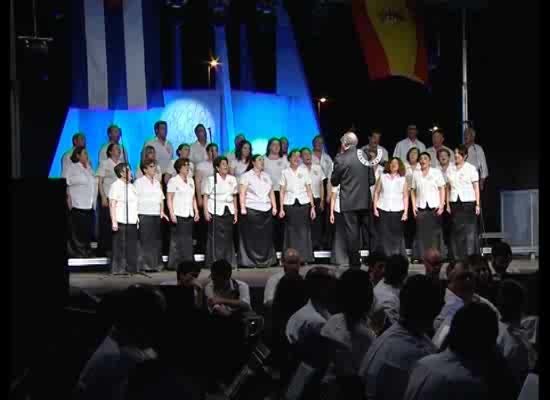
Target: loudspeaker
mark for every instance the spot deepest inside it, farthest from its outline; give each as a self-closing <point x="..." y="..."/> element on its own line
<point x="39" y="278"/>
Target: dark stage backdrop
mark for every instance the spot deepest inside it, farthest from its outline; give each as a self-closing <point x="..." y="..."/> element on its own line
<point x="503" y="71"/>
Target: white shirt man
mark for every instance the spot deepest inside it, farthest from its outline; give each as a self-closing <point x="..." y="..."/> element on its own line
<point x="242" y="287"/>
<point x="374" y="143"/>
<point x="476" y="157"/>
<point x="120" y="191"/>
<point x="427" y="188"/>
<point x="274" y="169"/>
<point x="257" y="190"/>
<point x="461" y="182"/>
<point x="226" y="189"/>
<point x="325" y="162"/>
<point x="305" y="322"/>
<point x="150" y="196"/>
<point x="387" y="299"/>
<point x="184" y="193"/>
<point x="317" y="176"/>
<point x="295" y="185"/>
<point x="82" y="186"/>
<point x="389" y="361"/>
<point x="164" y="152"/>
<point x="197" y="152"/>
<point x="403" y="146"/>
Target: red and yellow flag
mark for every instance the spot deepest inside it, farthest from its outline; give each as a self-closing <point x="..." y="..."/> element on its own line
<point x="392" y="38"/>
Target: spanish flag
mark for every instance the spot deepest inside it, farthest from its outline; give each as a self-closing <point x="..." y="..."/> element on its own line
<point x="392" y="38"/>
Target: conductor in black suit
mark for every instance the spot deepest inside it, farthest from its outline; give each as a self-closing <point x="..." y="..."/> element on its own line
<point x="353" y="172"/>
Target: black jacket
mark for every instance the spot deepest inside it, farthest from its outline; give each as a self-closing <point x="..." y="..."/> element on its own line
<point x="355" y="180"/>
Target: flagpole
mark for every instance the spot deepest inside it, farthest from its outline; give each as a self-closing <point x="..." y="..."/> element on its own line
<point x="464" y="72"/>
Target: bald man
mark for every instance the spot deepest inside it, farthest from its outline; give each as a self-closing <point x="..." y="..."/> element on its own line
<point x="355" y="175"/>
<point x="291" y="265"/>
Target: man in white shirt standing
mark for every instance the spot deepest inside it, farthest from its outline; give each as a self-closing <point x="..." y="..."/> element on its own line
<point x="402" y="147"/>
<point x="114" y="133"/>
<point x="476" y="156"/>
<point x="163" y="148"/>
<point x="374" y="144"/>
<point x="437" y="143"/>
<point x="198" y="150"/>
<point x="79" y="140"/>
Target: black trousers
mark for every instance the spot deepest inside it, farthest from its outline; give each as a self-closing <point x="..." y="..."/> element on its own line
<point x="355" y="222"/>
<point x="278" y="225"/>
<point x="317" y="231"/>
<point x="81" y="232"/>
<point x="125" y="246"/>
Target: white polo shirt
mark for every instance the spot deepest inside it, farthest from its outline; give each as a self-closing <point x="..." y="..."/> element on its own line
<point x="257" y="190"/>
<point x="118" y="192"/>
<point x="274" y="169"/>
<point x="150" y="196"/>
<point x="427" y="187"/>
<point x="325" y="162"/>
<point x="106" y="170"/>
<point x="462" y="182"/>
<point x="184" y="193"/>
<point x="391" y="193"/>
<point x="197" y="152"/>
<point x="403" y="147"/>
<point x="317" y="176"/>
<point x="82" y="186"/>
<point x="225" y="190"/>
<point x="163" y="152"/>
<point x="295" y="185"/>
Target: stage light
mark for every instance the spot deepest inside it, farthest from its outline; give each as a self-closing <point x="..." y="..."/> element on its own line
<point x="323" y="99"/>
<point x="214" y="63"/>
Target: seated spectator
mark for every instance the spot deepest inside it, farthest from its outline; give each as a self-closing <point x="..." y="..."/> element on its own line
<point x="132" y="340"/>
<point x="386" y="292"/>
<point x="348" y="331"/>
<point x="531" y="322"/>
<point x="186" y="290"/>
<point x="310" y="319"/>
<point x="513" y="341"/>
<point x="291" y="266"/>
<point x="432" y="265"/>
<point x="377" y="263"/>
<point x="461" y="371"/>
<point x="501" y="257"/>
<point x="224" y="295"/>
<point x="483" y="277"/>
<point x="386" y="367"/>
<point x="460" y="291"/>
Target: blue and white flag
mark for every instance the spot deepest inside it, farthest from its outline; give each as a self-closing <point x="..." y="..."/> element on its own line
<point x="116" y="54"/>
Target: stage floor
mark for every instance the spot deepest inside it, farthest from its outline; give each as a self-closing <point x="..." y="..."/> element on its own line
<point x="98" y="283"/>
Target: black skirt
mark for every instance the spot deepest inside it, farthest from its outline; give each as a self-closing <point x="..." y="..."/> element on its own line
<point x="339" y="251"/>
<point x="125" y="245"/>
<point x="391" y="239"/>
<point x="298" y="230"/>
<point x="150" y="243"/>
<point x="223" y="238"/>
<point x="278" y="225"/>
<point x="256" y="239"/>
<point x="81" y="223"/>
<point x="464" y="240"/>
<point x="428" y="230"/>
<point x="317" y="226"/>
<point x="105" y="239"/>
<point x="181" y="242"/>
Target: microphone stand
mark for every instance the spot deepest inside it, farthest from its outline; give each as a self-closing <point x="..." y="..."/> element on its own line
<point x="215" y="203"/>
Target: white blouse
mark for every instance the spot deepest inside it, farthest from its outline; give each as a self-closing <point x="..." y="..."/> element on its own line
<point x="120" y="191"/>
<point x="158" y="173"/>
<point x="225" y="190"/>
<point x="257" y="190"/>
<point x="274" y="169"/>
<point x="295" y="185"/>
<point x="184" y="193"/>
<point x="82" y="186"/>
<point x="172" y="171"/>
<point x="325" y="162"/>
<point x="427" y="187"/>
<point x="150" y="196"/>
<point x="106" y="170"/>
<point x="238" y="168"/>
<point x="462" y="183"/>
<point x="317" y="176"/>
<point x="391" y="193"/>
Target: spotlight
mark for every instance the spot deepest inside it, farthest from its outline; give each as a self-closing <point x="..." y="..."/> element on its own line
<point x="323" y="99"/>
<point x="214" y="63"/>
<point x="176" y="3"/>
